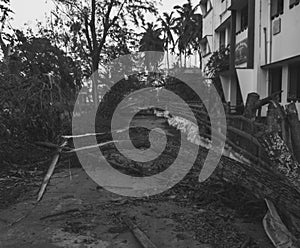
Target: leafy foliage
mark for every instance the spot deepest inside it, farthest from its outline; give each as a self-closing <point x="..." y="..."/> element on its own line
<point x="38" y="87"/>
<point x="151" y="41"/>
<point x="218" y="62"/>
<point x="188" y="28"/>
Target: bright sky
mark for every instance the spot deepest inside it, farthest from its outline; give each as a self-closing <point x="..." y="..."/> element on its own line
<point x="28" y="11"/>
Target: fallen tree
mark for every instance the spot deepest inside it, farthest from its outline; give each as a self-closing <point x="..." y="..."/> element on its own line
<point x="277" y="180"/>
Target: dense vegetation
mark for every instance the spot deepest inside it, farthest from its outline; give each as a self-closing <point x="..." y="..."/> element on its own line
<point x="41" y="72"/>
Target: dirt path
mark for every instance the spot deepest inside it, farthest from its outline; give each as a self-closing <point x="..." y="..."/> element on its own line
<point x="76" y="212"/>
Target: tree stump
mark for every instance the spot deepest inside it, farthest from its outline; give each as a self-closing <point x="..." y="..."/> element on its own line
<point x="273" y="119"/>
<point x="251" y="109"/>
<point x="294" y="123"/>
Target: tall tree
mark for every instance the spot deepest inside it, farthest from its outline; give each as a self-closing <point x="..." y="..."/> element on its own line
<point x="95" y="26"/>
<point x="188" y="28"/>
<point x="167" y="26"/>
<point x="151" y="41"/>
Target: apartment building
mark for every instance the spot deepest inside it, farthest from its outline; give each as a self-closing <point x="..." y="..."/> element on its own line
<point x="264" y="39"/>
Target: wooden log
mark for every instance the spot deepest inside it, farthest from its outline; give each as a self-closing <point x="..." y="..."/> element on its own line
<point x="138" y="233"/>
<point x="262" y="182"/>
<point x="294" y="124"/>
<point x="280" y="155"/>
<point x="277" y="180"/>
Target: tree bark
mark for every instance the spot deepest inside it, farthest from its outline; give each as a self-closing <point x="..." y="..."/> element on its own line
<point x="278" y="179"/>
<point x="263" y="182"/>
<point x="294" y="124"/>
<point x="273" y="119"/>
<point x="253" y="103"/>
<point x="250" y="109"/>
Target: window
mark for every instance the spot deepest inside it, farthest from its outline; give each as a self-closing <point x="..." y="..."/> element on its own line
<point x="206" y="7"/>
<point x="294" y="82"/>
<point x="275" y="80"/>
<point x="293" y="3"/>
<point x="222" y="35"/>
<point x="242" y="19"/>
<point x="205" y="49"/>
<point x="276" y="8"/>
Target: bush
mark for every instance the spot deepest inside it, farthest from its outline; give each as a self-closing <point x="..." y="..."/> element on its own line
<point x="38" y="86"/>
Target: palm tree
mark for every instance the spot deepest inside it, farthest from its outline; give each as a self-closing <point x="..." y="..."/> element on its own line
<point x="167" y="26"/>
<point x="151" y="41"/>
<point x="188" y="29"/>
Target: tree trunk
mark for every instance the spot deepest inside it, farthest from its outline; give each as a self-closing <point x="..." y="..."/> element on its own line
<point x="264" y="182"/>
<point x="250" y="109"/>
<point x="168" y="60"/>
<point x="200" y="59"/>
<point x="276" y="179"/>
<point x="95" y="77"/>
<point x="273" y="119"/>
<point x="294" y="123"/>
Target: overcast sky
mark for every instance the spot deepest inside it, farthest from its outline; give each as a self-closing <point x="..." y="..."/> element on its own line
<point x="28" y="11"/>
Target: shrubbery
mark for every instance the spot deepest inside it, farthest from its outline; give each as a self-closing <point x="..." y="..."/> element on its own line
<point x="38" y="85"/>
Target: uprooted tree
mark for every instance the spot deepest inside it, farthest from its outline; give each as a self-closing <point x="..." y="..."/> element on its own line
<point x="279" y="139"/>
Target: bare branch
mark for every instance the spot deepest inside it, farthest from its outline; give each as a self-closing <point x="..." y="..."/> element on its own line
<point x="93" y="25"/>
<point x="87" y="33"/>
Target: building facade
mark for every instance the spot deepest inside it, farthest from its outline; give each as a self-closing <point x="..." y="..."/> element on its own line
<point x="264" y="39"/>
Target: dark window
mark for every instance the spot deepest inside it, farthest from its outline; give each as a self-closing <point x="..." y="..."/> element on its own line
<point x="275" y="80"/>
<point x="276" y="8"/>
<point x="244" y="17"/>
<point x="294" y="82"/>
<point x="222" y="38"/>
<point x="243" y="23"/>
<point x="293" y="3"/>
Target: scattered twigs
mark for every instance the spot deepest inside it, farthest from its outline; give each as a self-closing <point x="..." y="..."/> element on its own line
<point x="138" y="233"/>
<point x="50" y="145"/>
<point x="47" y="145"/>
<point x="60" y="213"/>
<point x="50" y="171"/>
<point x="96" y="146"/>
<point x="247" y="243"/>
<point x="95" y="134"/>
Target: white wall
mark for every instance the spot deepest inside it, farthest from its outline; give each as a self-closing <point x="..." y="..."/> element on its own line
<point x="208" y="24"/>
<point x="286" y="44"/>
<point x="226" y="87"/>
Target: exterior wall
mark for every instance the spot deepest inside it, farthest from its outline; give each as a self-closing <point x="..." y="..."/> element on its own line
<point x="275" y="41"/>
<point x="211" y="21"/>
<point x="208" y="24"/>
<point x="283" y="48"/>
<point x="282" y="44"/>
